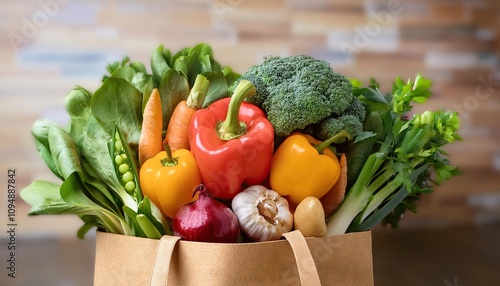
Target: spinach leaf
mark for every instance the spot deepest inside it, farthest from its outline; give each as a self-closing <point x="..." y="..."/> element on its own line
<point x="141" y="81"/>
<point x="192" y="67"/>
<point x="217" y="89"/>
<point x="64" y="153"/>
<point x="160" y="64"/>
<point x="77" y="104"/>
<point x="126" y="72"/>
<point x="96" y="153"/>
<point x="230" y="75"/>
<point x="72" y="193"/>
<point x="98" y="191"/>
<point x="39" y="194"/>
<point x="146" y="94"/>
<point x="119" y="101"/>
<point x="184" y="52"/>
<point x="40" y="131"/>
<point x="173" y="89"/>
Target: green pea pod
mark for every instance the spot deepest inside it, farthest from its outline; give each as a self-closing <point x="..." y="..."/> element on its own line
<point x="125" y="167"/>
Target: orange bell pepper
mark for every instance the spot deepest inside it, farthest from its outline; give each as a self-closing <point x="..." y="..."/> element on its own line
<point x="169" y="180"/>
<point x="302" y="167"/>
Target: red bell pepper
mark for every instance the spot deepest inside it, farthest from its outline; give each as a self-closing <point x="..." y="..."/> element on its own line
<point x="232" y="142"/>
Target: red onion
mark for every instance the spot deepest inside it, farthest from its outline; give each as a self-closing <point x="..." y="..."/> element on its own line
<point x="206" y="220"/>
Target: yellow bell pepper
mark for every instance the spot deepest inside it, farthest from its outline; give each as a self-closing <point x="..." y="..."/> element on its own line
<point x="302" y="167"/>
<point x="169" y="180"/>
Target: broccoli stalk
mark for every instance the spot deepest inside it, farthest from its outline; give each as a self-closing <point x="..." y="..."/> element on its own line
<point x="409" y="149"/>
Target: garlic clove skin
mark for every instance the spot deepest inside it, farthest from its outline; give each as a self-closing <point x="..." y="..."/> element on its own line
<point x="262" y="213"/>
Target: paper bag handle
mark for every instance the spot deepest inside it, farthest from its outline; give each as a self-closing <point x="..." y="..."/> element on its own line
<point x="162" y="260"/>
<point x="308" y="273"/>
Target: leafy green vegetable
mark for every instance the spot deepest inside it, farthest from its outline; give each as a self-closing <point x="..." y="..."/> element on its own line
<point x="389" y="169"/>
<point x="79" y="154"/>
<point x="40" y="131"/>
<point x="119" y="101"/>
<point x="173" y="88"/>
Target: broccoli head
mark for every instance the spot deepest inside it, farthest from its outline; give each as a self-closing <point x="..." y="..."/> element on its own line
<point x="297" y="91"/>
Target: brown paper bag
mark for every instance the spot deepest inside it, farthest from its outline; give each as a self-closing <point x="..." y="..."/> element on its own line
<point x="332" y="260"/>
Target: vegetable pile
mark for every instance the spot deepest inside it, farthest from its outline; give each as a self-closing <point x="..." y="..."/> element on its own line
<point x="193" y="149"/>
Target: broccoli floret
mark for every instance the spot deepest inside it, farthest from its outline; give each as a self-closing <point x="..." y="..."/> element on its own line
<point x="357" y="109"/>
<point x="331" y="126"/>
<point x="297" y="91"/>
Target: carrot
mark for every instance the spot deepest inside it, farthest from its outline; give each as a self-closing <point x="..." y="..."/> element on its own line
<point x="177" y="131"/>
<point x="335" y="195"/>
<point x="150" y="141"/>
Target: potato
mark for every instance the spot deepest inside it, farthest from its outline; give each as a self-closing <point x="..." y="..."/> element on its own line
<point x="309" y="217"/>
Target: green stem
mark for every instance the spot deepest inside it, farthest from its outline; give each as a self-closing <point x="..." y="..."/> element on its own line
<point x="169" y="160"/>
<point x="345" y="214"/>
<point x="386" y="191"/>
<point x="232" y="127"/>
<point x="380" y="180"/>
<point x="323" y="145"/>
<point x="148" y="227"/>
<point x="198" y="92"/>
<point x="380" y="197"/>
<point x="355" y="200"/>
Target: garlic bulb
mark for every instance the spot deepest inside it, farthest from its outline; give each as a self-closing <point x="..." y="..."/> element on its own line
<point x="262" y="213"/>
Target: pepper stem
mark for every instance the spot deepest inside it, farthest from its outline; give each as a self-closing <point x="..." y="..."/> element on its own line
<point x="198" y="92"/>
<point x="169" y="160"/>
<point x="323" y="145"/>
<point x="232" y="127"/>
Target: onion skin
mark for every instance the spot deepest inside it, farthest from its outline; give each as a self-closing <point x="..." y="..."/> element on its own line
<point x="206" y="220"/>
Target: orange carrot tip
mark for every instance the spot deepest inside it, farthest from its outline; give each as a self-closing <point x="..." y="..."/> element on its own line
<point x="151" y="141"/>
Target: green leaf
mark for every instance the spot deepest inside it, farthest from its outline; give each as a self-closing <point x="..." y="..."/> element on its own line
<point x="356" y="158"/>
<point x="72" y="193"/>
<point x="159" y="65"/>
<point x="230" y="75"/>
<point x="48" y="159"/>
<point x="193" y="67"/>
<point x="126" y="72"/>
<point x="77" y="104"/>
<point x="146" y="94"/>
<point x="139" y="67"/>
<point x="141" y="81"/>
<point x="364" y="135"/>
<point x="40" y="131"/>
<point x="90" y="222"/>
<point x="217" y="89"/>
<point x="173" y="89"/>
<point x="154" y="215"/>
<point x="181" y="66"/>
<point x="181" y="53"/>
<point x="96" y="153"/>
<point x="374" y="95"/>
<point x="64" y="152"/>
<point x="39" y="190"/>
<point x="119" y="101"/>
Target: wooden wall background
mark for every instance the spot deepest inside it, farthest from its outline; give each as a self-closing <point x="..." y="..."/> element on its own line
<point x="46" y="49"/>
